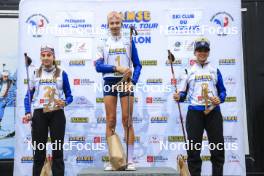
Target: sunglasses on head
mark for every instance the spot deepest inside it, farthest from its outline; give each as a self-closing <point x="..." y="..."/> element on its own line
<point x="203" y="49"/>
<point x="46" y="55"/>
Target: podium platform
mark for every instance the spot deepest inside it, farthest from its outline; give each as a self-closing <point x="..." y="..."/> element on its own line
<point x="141" y="171"/>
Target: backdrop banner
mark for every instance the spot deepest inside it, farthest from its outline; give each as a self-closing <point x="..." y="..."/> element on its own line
<point x="74" y="27"/>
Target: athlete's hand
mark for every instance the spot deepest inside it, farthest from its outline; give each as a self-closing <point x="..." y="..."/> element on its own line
<point x="28" y="117"/>
<point x="122" y="69"/>
<point x="176" y="96"/>
<point x="59" y="103"/>
<point x="215" y="100"/>
<point x="127" y="75"/>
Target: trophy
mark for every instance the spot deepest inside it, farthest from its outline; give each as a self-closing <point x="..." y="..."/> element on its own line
<point x="46" y="169"/>
<point x="50" y="96"/>
<point x="206" y="98"/>
<point x="182" y="166"/>
<point x="116" y="152"/>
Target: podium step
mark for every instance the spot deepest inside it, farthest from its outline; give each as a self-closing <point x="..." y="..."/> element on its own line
<point x="141" y="171"/>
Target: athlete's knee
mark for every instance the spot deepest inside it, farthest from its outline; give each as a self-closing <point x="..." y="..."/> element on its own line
<point x="111" y="124"/>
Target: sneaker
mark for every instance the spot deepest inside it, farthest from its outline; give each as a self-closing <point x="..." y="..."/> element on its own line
<point x="108" y="167"/>
<point x="131" y="167"/>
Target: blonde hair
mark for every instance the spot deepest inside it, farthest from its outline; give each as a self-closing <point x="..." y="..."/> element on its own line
<point x="114" y="14"/>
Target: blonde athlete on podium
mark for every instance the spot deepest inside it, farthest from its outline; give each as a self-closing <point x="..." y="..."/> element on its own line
<point x="113" y="62"/>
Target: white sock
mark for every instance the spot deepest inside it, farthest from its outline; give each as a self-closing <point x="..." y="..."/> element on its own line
<point x="130" y="153"/>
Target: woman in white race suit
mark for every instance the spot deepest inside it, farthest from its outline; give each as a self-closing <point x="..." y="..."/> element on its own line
<point x="113" y="62"/>
<point x="49" y="77"/>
